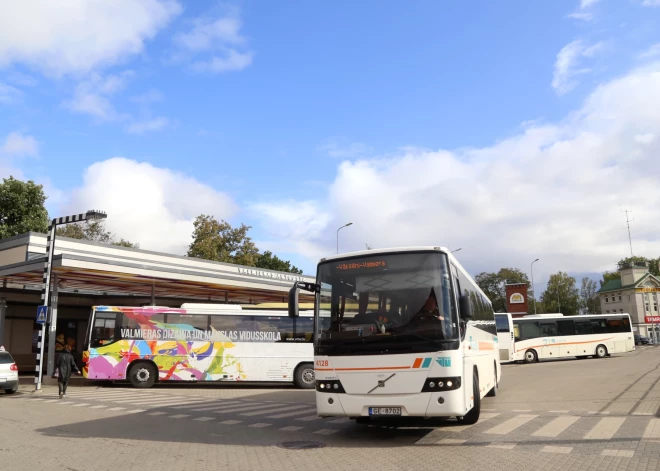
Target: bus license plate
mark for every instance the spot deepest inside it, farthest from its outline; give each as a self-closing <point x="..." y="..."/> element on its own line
<point x="384" y="411"/>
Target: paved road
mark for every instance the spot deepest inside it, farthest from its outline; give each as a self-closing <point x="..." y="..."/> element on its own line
<point x="578" y="414"/>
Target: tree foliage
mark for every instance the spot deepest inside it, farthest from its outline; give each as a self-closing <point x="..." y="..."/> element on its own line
<point x="93" y="231"/>
<point x="21" y="207"/>
<point x="561" y="295"/>
<point x="219" y="241"/>
<point x="494" y="285"/>
<point x="273" y="262"/>
<point x="589" y="302"/>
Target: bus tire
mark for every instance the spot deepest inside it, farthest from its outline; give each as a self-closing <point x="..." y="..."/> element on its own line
<point x="531" y="356"/>
<point x="493" y="392"/>
<point x="601" y="351"/>
<point x="143" y="374"/>
<point x="472" y="417"/>
<point x="304" y="376"/>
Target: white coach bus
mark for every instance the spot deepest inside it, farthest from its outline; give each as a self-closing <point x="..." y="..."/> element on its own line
<point x="401" y="333"/>
<point x="505" y="340"/>
<point x="543" y="337"/>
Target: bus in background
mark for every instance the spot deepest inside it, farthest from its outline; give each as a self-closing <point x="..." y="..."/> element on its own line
<point x="542" y="336"/>
<point x="505" y="342"/>
<point x="198" y="342"/>
<point x="401" y="332"/>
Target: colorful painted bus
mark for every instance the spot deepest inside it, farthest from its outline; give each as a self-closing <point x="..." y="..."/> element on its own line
<point x="198" y="342"/>
<point x="401" y="333"/>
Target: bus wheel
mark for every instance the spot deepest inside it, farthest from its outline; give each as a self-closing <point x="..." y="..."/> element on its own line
<point x="472" y="417"/>
<point x="493" y="392"/>
<point x="143" y="375"/>
<point x="531" y="356"/>
<point x="601" y="351"/>
<point x="304" y="376"/>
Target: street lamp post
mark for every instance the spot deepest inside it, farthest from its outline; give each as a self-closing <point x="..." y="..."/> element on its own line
<point x="45" y="291"/>
<point x="533" y="289"/>
<point x="345" y="225"/>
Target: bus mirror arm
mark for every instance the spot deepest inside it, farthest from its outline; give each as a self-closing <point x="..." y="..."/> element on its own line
<point x="465" y="307"/>
<point x="293" y="295"/>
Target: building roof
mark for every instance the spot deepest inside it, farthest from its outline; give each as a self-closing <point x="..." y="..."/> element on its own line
<point x="87" y="266"/>
<point x="615" y="285"/>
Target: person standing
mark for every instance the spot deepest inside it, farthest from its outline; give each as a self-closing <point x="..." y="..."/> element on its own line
<point x="65" y="367"/>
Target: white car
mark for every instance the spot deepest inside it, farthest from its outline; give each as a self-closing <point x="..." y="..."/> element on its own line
<point x="8" y="372"/>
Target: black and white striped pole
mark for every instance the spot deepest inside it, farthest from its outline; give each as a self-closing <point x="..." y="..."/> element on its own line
<point x="45" y="287"/>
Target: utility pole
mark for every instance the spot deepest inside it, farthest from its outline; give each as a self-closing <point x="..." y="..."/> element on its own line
<point x="628" y="221"/>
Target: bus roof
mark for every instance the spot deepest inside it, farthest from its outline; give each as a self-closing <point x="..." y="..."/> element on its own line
<point x="217" y="309"/>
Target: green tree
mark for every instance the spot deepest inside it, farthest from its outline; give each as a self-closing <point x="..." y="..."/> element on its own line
<point x="21" y="207"/>
<point x="561" y="295"/>
<point x="273" y="262"/>
<point x="589" y="301"/>
<point x="609" y="276"/>
<point x="217" y="240"/>
<point x="494" y="285"/>
<point x="93" y="231"/>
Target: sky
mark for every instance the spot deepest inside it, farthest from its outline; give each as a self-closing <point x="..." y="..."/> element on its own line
<point x="512" y="130"/>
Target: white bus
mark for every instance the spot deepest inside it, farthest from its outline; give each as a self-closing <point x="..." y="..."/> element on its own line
<point x="401" y="332"/>
<point x="542" y="337"/>
<point x="198" y="342"/>
<point x="505" y="341"/>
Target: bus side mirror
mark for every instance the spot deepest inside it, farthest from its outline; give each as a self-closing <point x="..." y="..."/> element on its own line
<point x="465" y="307"/>
<point x="293" y="301"/>
<point x="293" y="295"/>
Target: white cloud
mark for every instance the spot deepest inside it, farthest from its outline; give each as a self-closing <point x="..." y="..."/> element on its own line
<point x="77" y="36"/>
<point x="651" y="3"/>
<point x="91" y="96"/>
<point x="644" y="138"/>
<point x="214" y="45"/>
<point x="567" y="65"/>
<point x="341" y="148"/>
<point x="651" y="53"/>
<point x="584" y="11"/>
<point x="8" y="93"/>
<point x="141" y="127"/>
<point x="153" y="206"/>
<point x="17" y="144"/>
<point x="553" y="191"/>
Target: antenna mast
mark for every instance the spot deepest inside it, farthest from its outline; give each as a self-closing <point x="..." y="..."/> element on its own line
<point x="628" y="221"/>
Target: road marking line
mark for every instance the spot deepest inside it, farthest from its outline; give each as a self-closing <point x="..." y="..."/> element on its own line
<point x="259" y="425"/>
<point x="460" y="428"/>
<point x="343" y="420"/>
<point x="557" y="449"/>
<point x="510" y="425"/>
<point x="231" y="422"/>
<point x="291" y="428"/>
<point x="619" y="453"/>
<point x="204" y="419"/>
<point x="521" y="410"/>
<point x="270" y="411"/>
<point x="555" y="427"/>
<point x="326" y="431"/>
<point x="559" y="412"/>
<point x="291" y="414"/>
<point x="309" y="418"/>
<point x="98" y="407"/>
<point x="160" y="412"/>
<point x="178" y="416"/>
<point x="450" y="441"/>
<point x="117" y="408"/>
<point x="504" y="446"/>
<point x="225" y="410"/>
<point x="134" y="411"/>
<point x="80" y="405"/>
<point x="605" y="428"/>
<point x="652" y="430"/>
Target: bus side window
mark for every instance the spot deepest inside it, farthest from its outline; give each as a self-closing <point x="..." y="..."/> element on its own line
<point x="565" y="328"/>
<point x="516" y="332"/>
<point x="105" y="329"/>
<point x="529" y="330"/>
<point x="583" y="328"/>
<point x="548" y="329"/>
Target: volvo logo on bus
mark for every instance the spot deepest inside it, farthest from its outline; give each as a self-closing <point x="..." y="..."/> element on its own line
<point x="381" y="383"/>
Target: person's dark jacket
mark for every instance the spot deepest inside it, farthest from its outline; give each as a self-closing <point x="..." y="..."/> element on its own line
<point x="66" y="366"/>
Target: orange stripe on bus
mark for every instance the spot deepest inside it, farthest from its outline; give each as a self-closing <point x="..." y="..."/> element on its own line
<point x="365" y="369"/>
<point x="486" y="346"/>
<point x="418" y="363"/>
<point x="559" y="344"/>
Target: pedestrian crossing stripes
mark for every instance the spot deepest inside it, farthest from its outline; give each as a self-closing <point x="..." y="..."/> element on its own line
<point x="613" y="436"/>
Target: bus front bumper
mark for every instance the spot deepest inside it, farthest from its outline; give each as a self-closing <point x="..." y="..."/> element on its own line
<point x="432" y="404"/>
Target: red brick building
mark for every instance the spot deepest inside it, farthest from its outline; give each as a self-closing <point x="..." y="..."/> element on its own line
<point x="516" y="299"/>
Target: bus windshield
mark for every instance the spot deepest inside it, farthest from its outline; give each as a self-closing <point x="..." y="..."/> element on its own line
<point x="386" y="301"/>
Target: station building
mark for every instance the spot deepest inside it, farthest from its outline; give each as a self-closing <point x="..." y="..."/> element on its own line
<point x="87" y="274"/>
<point x="636" y="292"/>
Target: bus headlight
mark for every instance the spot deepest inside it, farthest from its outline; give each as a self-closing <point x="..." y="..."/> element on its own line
<point x="441" y="384"/>
<point x="329" y="385"/>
